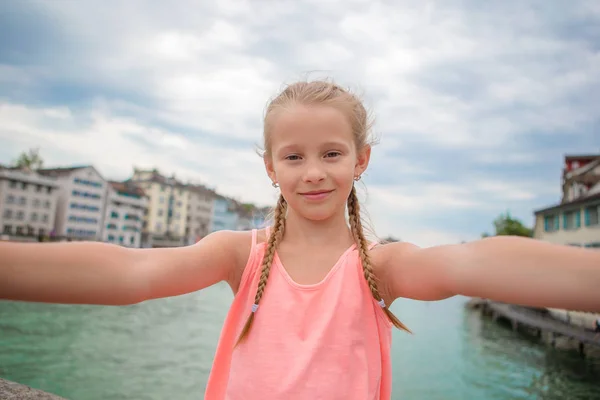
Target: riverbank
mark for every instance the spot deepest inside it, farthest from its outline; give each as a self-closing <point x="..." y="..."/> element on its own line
<point x="541" y="324"/>
<point x="15" y="391"/>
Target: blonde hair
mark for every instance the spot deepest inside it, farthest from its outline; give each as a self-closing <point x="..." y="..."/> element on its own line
<point x="330" y="94"/>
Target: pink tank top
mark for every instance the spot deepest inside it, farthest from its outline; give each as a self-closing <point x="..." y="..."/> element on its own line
<point x="330" y="340"/>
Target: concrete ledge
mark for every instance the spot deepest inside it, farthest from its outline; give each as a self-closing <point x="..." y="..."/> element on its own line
<point x="15" y="391"/>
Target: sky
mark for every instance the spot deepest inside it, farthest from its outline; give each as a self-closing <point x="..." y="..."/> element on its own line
<point x="476" y="103"/>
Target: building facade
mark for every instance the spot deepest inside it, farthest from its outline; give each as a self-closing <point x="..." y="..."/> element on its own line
<point x="199" y="213"/>
<point x="124" y="214"/>
<point x="165" y="221"/>
<point x="225" y="215"/>
<point x="81" y="202"/>
<point x="574" y="221"/>
<point x="27" y="202"/>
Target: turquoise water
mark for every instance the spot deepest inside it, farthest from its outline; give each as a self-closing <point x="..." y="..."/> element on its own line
<point x="163" y="349"/>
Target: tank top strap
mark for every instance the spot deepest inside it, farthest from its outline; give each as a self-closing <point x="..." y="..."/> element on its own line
<point x="254" y="239"/>
<point x="373" y="244"/>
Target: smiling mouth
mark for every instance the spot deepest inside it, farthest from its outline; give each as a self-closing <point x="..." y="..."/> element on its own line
<point x="316" y="195"/>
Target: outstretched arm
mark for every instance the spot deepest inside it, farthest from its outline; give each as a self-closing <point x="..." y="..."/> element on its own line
<point x="503" y="268"/>
<point x="100" y="273"/>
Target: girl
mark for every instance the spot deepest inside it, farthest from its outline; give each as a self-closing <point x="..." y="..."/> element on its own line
<point x="310" y="317"/>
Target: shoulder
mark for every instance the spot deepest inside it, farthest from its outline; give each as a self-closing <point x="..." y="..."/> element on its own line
<point x="240" y="244"/>
<point x="407" y="270"/>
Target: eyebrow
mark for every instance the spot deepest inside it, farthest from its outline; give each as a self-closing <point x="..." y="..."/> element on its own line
<point x="324" y="145"/>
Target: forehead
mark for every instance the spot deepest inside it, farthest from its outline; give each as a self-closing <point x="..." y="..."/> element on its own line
<point x="309" y="124"/>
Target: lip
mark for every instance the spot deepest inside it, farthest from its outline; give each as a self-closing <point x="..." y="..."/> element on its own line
<point x="316" y="194"/>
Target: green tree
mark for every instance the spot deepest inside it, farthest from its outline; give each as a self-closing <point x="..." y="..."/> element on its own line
<point x="30" y="160"/>
<point x="505" y="225"/>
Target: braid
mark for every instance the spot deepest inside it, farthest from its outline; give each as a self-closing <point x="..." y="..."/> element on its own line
<point x="273" y="241"/>
<point x="363" y="246"/>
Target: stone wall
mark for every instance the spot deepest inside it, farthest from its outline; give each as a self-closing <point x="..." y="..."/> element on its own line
<point x="15" y="391"/>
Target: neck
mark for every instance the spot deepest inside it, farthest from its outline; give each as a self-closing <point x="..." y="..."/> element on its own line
<point x="303" y="231"/>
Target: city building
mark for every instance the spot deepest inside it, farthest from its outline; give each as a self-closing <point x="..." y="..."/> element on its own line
<point x="199" y="212"/>
<point x="165" y="222"/>
<point x="81" y="202"/>
<point x="581" y="176"/>
<point x="27" y="202"/>
<point x="574" y="221"/>
<point x="225" y="215"/>
<point x="126" y="207"/>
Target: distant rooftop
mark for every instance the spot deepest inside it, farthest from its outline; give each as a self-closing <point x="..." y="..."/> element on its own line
<point x="127" y="187"/>
<point x="61" y="171"/>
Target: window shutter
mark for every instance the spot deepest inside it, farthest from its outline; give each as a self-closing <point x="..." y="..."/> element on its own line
<point x="578" y="219"/>
<point x="587" y="217"/>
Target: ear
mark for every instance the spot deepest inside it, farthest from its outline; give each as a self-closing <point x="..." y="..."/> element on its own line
<point x="269" y="167"/>
<point x="362" y="160"/>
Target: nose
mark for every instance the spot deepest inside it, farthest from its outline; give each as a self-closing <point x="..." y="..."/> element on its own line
<point x="314" y="173"/>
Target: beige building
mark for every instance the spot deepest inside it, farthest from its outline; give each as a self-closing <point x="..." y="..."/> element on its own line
<point x="574" y="221"/>
<point x="165" y="222"/>
<point x="124" y="214"/>
<point x="27" y="202"/>
<point x="81" y="202"/>
<point x="199" y="212"/>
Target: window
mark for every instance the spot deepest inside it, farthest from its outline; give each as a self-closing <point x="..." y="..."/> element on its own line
<point x="22" y="200"/>
<point x="131" y="240"/>
<point x="593" y="245"/>
<point x="161" y="200"/>
<point x="551" y="223"/>
<point x="13" y="184"/>
<point x="36" y="203"/>
<point x="160" y="213"/>
<point x="114" y="214"/>
<point x="8" y="214"/>
<point x="7" y="229"/>
<point x="24" y="185"/>
<point x="111" y="226"/>
<point x="38" y="188"/>
<point x="49" y="189"/>
<point x="571" y="220"/>
<point x="20" y="215"/>
<point x="10" y="199"/>
<point x="45" y="218"/>
<point x="19" y="230"/>
<point x="111" y="238"/>
<point x="34" y="217"/>
<point x="591" y="216"/>
<point x="41" y="232"/>
<point x="47" y="204"/>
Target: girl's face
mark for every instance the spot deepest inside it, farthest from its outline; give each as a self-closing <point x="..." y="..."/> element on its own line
<point x="313" y="157"/>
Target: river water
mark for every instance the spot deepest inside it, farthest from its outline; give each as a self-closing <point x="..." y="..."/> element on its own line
<point x="163" y="349"/>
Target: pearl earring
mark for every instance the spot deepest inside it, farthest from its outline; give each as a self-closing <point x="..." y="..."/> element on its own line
<point x="275" y="184"/>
